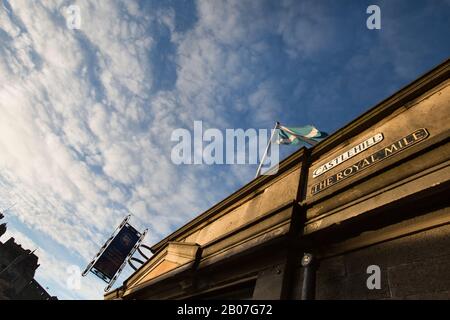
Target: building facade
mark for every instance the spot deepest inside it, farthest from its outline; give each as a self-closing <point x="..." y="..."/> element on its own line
<point x="17" y="270"/>
<point x="362" y="215"/>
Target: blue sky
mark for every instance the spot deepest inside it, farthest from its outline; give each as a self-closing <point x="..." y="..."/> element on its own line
<point x="86" y="115"/>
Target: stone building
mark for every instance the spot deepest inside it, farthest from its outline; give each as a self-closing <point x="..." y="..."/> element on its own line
<point x="369" y="206"/>
<point x="17" y="269"/>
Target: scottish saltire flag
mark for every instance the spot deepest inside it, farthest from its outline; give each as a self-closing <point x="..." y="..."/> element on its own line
<point x="308" y="134"/>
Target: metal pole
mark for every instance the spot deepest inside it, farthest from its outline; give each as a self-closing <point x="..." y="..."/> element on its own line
<point x="2" y="212"/>
<point x="309" y="277"/>
<point x="267" y="149"/>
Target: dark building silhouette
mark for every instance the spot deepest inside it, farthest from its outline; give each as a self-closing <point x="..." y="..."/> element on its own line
<point x="2" y="229"/>
<point x="2" y="226"/>
<point x="17" y="270"/>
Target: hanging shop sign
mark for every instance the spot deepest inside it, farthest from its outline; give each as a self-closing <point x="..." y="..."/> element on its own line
<point x="117" y="250"/>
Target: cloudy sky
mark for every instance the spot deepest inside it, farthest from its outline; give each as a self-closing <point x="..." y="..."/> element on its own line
<point x="86" y="114"/>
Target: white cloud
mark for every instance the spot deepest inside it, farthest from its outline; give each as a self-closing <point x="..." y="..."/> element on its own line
<point x="83" y="134"/>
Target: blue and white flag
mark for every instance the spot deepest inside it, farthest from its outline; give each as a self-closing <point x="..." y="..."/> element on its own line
<point x="296" y="135"/>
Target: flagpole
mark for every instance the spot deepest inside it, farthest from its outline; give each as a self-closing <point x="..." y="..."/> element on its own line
<point x="267" y="149"/>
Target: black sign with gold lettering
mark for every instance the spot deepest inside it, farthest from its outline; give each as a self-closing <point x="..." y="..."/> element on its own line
<point x="380" y="155"/>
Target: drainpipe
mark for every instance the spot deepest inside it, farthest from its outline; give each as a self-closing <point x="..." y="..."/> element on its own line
<point x="309" y="277"/>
